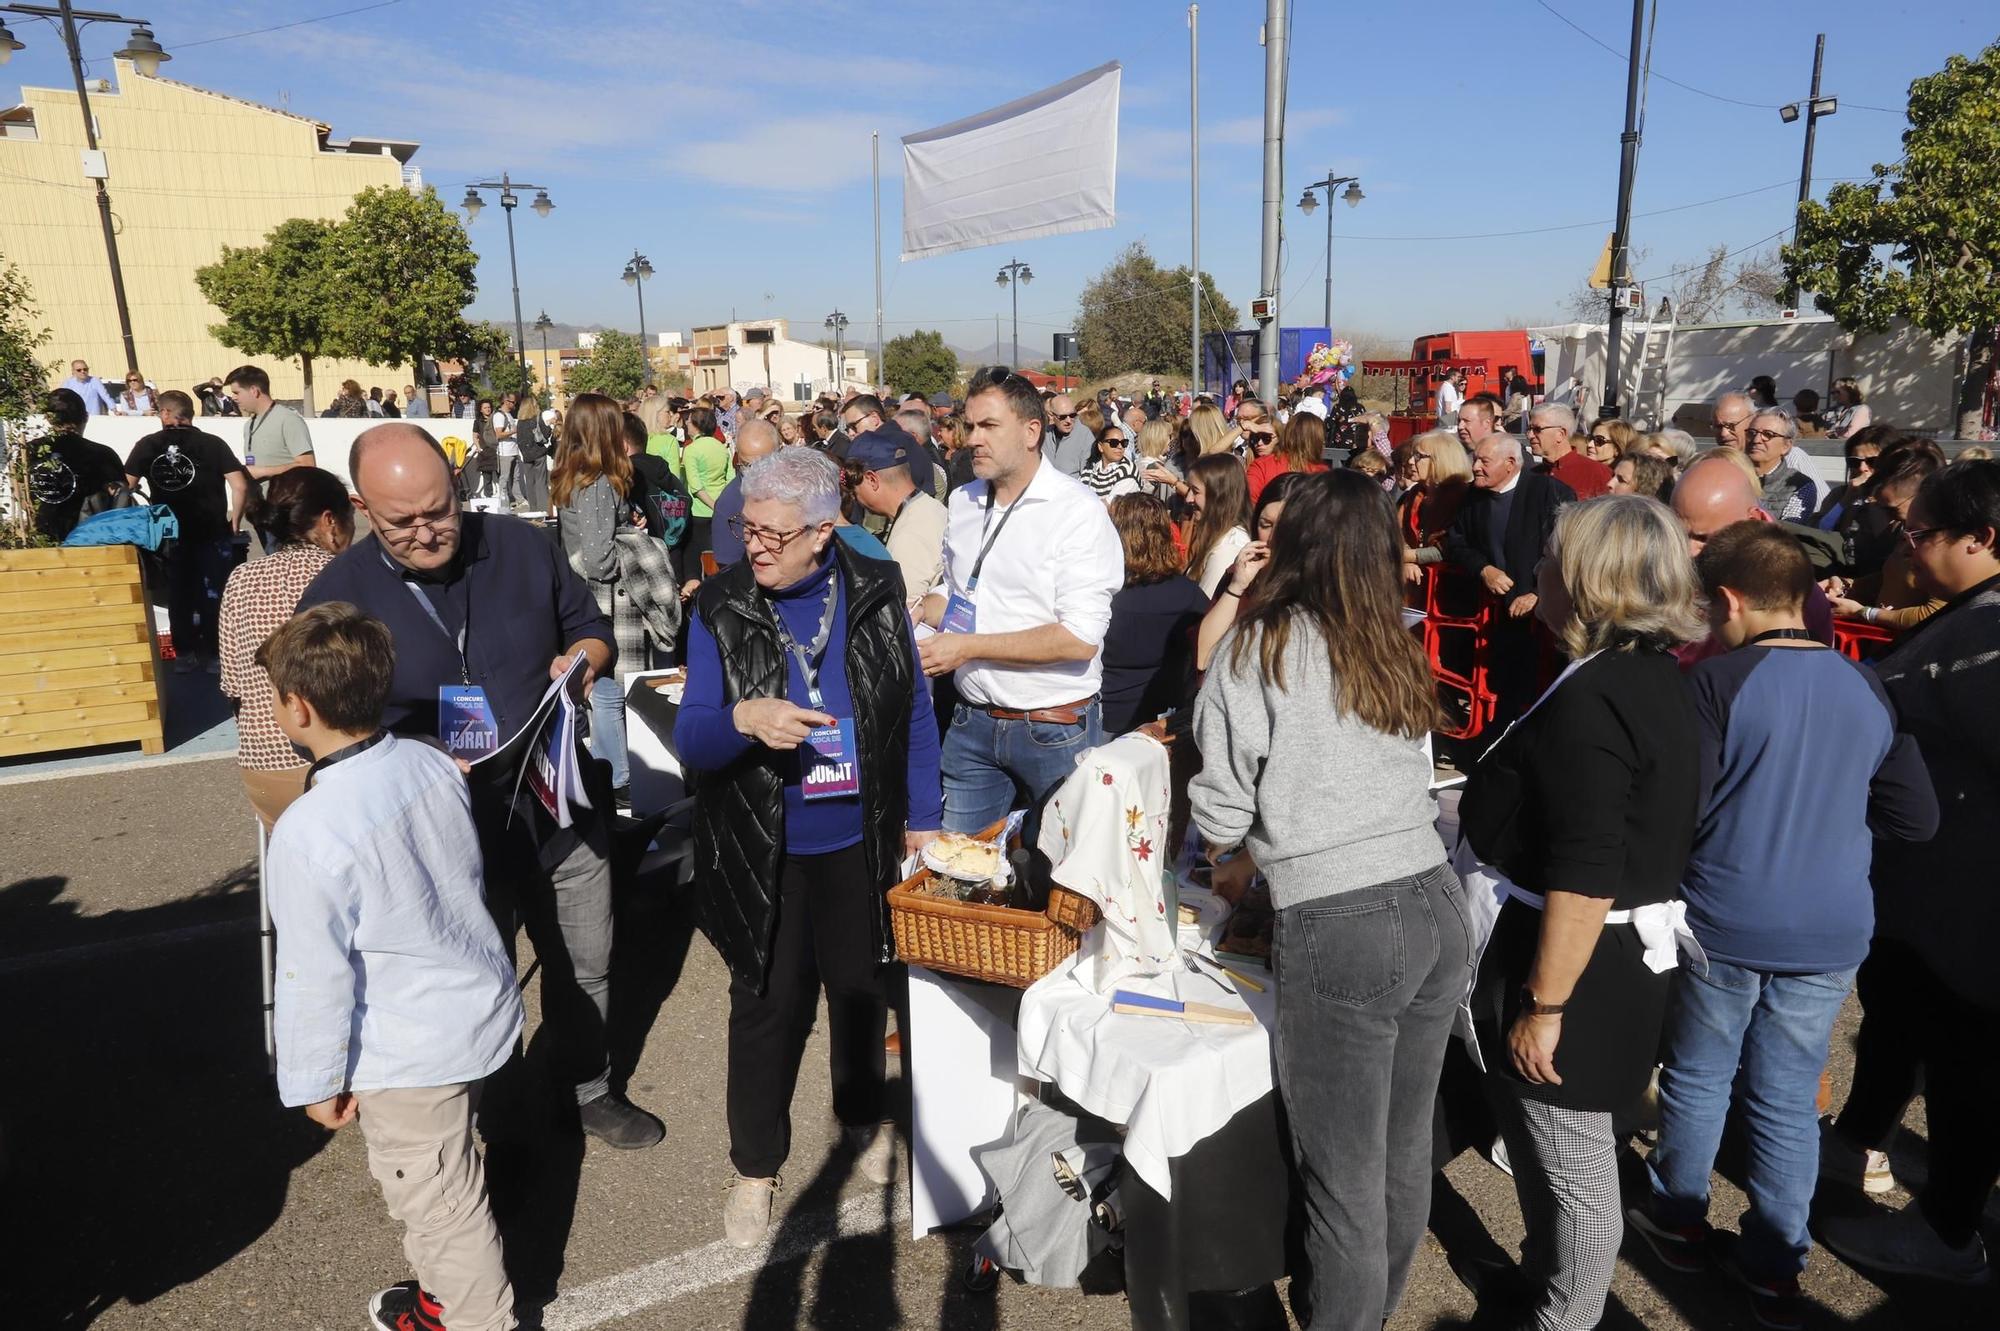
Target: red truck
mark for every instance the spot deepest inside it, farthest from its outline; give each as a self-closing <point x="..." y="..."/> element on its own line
<point x="1490" y="360"/>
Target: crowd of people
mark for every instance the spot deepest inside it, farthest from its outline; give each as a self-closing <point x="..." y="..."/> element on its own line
<point x="1688" y="829"/>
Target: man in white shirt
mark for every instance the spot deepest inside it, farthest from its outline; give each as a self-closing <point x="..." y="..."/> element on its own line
<point x="505" y="432"/>
<point x="1031" y="562"/>
<point x="915" y="535"/>
<point x="1451" y="396"/>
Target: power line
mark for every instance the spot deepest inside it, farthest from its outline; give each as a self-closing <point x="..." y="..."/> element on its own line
<point x="280" y="27"/>
<point x="1621" y="57"/>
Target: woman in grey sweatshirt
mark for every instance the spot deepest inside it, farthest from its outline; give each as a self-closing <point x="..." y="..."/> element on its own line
<point x="588" y="487"/>
<point x="1320" y="687"/>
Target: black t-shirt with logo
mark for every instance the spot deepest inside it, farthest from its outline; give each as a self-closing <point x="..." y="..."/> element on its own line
<point x="183" y="468"/>
<point x="65" y="471"/>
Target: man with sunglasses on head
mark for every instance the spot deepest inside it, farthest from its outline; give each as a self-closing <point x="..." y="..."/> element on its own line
<point x="484" y="612"/>
<point x="1067" y="444"/>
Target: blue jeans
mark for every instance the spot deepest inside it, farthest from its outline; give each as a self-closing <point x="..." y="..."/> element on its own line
<point x="992" y="767"/>
<point x="1765" y="1035"/>
<point x="607" y="728"/>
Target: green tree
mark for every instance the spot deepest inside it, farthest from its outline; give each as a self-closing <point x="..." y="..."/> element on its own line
<point x="504" y="372"/>
<point x="1135" y="316"/>
<point x="277" y="299"/>
<point x="919" y="362"/>
<point x="24" y="386"/>
<point x="616" y="367"/>
<point x="404" y="273"/>
<point x="1920" y="239"/>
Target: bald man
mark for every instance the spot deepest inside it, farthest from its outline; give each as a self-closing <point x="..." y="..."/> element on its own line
<point x="1719" y="489"/>
<point x="485" y="612"/>
<point x="756" y="439"/>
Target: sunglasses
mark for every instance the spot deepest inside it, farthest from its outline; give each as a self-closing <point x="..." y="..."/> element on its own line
<point x="1602" y="439"/>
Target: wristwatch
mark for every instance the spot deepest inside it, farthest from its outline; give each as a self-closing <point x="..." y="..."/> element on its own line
<point x="1535" y="1007"/>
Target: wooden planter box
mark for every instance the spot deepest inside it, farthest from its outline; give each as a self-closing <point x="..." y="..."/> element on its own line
<point x="79" y="665"/>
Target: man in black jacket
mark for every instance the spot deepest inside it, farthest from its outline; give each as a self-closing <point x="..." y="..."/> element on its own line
<point x="1499" y="536"/>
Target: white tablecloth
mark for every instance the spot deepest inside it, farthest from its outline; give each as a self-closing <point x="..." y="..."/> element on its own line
<point x="1170" y="1083"/>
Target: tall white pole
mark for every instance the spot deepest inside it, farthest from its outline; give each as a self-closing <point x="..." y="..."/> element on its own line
<point x="1275" y="34"/>
<point x="1194" y="182"/>
<point x="877" y="154"/>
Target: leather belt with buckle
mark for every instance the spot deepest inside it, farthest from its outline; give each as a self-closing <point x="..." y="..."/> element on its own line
<point x="1063" y="714"/>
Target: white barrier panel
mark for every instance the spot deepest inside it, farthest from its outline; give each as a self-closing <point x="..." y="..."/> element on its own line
<point x="332" y="438"/>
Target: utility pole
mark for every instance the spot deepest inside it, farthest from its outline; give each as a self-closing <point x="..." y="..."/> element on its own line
<point x="1815" y="106"/>
<point x="876" y="150"/>
<point x="1628" y="163"/>
<point x="1276" y="34"/>
<point x="1194" y="190"/>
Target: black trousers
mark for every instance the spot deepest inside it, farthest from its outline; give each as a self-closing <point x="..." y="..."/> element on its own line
<point x="825" y="937"/>
<point x="1911" y="1022"/>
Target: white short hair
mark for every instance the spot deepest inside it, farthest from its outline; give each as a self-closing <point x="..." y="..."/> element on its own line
<point x="1553" y="412"/>
<point x="803" y="477"/>
<point x="1790" y="427"/>
<point x="1501" y="439"/>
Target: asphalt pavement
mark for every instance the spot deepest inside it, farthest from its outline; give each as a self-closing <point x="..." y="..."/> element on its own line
<point x="150" y="1178"/>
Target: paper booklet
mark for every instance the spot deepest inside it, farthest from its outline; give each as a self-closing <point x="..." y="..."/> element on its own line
<point x="542" y="754"/>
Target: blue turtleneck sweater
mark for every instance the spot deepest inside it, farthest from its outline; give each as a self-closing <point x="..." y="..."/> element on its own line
<point x="706" y="737"/>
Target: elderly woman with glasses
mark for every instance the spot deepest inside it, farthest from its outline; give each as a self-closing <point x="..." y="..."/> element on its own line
<point x="812" y="753"/>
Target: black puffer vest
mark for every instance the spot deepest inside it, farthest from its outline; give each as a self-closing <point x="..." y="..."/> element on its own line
<point x="739" y="821"/>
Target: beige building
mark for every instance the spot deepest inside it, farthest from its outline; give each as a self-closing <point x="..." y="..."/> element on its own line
<point x="189" y="172"/>
<point x="664" y="350"/>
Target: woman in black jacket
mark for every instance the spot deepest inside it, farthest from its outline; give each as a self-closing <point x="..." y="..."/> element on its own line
<point x="1584" y="813"/>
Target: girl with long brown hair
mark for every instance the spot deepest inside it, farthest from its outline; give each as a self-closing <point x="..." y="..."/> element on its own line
<point x="1218" y="507"/>
<point x="588" y="488"/>
<point x="1371" y="946"/>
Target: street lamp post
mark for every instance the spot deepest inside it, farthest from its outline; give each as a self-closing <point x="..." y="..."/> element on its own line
<point x="1308" y="202"/>
<point x="542" y="205"/>
<point x="1018" y="272"/>
<point x="637" y="269"/>
<point x="542" y="325"/>
<point x="838" y="323"/>
<point x="1812" y="108"/>
<point x="144" y="51"/>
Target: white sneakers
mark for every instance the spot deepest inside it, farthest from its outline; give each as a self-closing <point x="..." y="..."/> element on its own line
<point x="746" y="1211"/>
<point x="1850" y="1165"/>
<point x="875" y="1152"/>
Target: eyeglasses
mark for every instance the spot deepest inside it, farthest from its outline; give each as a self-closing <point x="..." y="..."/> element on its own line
<point x="1754" y="435"/>
<point x="851" y="425"/>
<point x="1537" y="429"/>
<point x="1915" y="535"/>
<point x="769" y="538"/>
<point x="405" y="533"/>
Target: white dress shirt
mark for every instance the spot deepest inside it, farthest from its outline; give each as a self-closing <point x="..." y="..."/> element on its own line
<point x="390" y="970"/>
<point x="1057" y="561"/>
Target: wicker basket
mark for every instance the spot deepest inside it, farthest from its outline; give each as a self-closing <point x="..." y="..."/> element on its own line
<point x="997" y="943"/>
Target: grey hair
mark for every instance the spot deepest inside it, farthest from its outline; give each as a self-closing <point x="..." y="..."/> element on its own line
<point x="919" y="422"/>
<point x="1554" y="412"/>
<point x="803" y="477"/>
<point x="1510" y="442"/>
<point x="1791" y="427"/>
<point x="1744" y="398"/>
<point x="1680" y="443"/>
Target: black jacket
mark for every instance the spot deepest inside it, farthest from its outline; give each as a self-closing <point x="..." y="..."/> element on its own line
<point x="739" y="820"/>
<point x="1532" y="518"/>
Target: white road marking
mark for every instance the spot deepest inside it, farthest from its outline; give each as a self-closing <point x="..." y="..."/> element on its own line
<point x="670" y="1278"/>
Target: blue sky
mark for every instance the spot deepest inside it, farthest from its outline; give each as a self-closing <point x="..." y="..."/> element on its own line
<point x="730" y="143"/>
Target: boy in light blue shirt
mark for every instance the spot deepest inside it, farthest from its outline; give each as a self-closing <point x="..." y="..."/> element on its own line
<point x="395" y="998"/>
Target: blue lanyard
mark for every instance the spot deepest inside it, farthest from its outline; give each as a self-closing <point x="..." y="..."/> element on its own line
<point x="806" y="656"/>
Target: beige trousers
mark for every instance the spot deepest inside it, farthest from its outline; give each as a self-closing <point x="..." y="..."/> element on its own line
<point x="271" y="793"/>
<point x="420" y="1150"/>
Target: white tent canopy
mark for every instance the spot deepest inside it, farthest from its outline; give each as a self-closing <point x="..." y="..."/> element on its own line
<point x="1044" y="165"/>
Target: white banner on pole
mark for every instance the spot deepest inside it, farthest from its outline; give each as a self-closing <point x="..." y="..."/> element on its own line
<point x="1041" y="166"/>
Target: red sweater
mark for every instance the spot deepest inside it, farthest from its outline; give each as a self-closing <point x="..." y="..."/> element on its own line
<point x="1589" y="479"/>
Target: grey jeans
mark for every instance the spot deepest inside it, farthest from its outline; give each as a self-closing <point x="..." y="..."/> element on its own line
<point x="567" y="913"/>
<point x="1369" y="982"/>
<point x="509" y="462"/>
